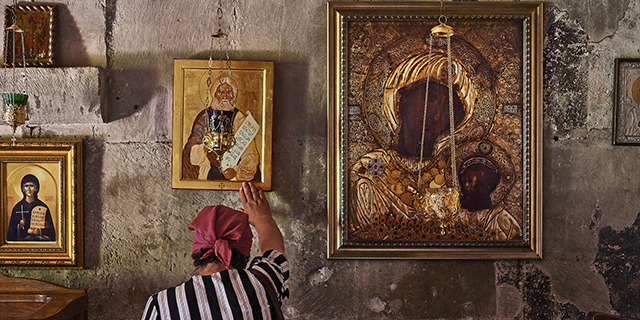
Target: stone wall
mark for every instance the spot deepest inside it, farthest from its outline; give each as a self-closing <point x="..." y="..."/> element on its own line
<point x="136" y="240"/>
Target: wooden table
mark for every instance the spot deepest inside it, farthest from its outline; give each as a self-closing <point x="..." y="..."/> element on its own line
<point x="22" y="298"/>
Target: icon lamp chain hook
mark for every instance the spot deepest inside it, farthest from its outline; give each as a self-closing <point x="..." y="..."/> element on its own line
<point x="219" y="13"/>
<point x="15" y="109"/>
<point x="14" y="28"/>
<point x="221" y="37"/>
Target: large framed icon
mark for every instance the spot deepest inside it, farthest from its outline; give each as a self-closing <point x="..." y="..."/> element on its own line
<point x="222" y="122"/>
<point x="41" y="203"/>
<point x="382" y="68"/>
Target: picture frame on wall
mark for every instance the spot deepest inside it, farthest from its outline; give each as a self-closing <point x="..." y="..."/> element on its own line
<point x="626" y="102"/>
<point x="38" y="25"/>
<point x="380" y="60"/>
<point x="41" y="201"/>
<point x="222" y="124"/>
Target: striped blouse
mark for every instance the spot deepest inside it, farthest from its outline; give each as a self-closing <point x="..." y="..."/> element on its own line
<point x="229" y="294"/>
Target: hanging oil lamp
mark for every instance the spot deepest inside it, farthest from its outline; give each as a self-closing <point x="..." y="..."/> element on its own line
<point x="15" y="111"/>
<point x="441" y="204"/>
<point x="219" y="137"/>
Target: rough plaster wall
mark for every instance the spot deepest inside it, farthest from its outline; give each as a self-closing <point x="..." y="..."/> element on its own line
<point x="136" y="240"/>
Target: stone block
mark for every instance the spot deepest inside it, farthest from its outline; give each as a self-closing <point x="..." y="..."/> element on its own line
<point x="57" y="95"/>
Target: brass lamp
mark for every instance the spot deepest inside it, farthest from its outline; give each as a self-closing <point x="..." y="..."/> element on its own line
<point x="219" y="137"/>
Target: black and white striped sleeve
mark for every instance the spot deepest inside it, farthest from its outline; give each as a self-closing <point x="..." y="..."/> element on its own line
<point x="275" y="266"/>
<point x="151" y="309"/>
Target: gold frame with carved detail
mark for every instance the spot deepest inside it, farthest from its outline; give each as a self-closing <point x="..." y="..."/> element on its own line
<point x="57" y="164"/>
<point x="367" y="43"/>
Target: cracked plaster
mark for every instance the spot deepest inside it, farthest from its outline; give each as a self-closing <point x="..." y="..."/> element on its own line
<point x="136" y="241"/>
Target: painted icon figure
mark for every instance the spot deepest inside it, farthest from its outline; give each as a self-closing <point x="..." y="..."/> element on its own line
<point x="200" y="163"/>
<point x="418" y="131"/>
<point x="30" y="218"/>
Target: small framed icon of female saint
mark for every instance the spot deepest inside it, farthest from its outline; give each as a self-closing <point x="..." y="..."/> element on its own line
<point x="41" y="203"/>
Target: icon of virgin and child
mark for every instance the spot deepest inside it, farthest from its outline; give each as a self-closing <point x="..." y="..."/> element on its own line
<point x="384" y="181"/>
<point x="30" y="218"/>
<point x="241" y="161"/>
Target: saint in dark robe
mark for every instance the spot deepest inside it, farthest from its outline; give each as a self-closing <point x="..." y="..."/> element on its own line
<point x="20" y="227"/>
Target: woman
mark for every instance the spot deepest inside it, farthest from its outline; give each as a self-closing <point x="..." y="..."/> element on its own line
<point x="224" y="288"/>
<point x="20" y="226"/>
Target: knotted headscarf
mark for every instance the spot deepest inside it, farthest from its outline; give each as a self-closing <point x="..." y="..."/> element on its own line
<point x="220" y="229"/>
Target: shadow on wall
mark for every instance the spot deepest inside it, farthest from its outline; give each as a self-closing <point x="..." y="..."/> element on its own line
<point x="92" y="196"/>
<point x="299" y="156"/>
<point x="126" y="91"/>
<point x="68" y="50"/>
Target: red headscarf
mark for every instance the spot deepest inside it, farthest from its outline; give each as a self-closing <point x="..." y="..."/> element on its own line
<point x="220" y="229"/>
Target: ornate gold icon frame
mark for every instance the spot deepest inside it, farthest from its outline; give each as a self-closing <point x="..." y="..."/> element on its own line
<point x="499" y="75"/>
<point x="55" y="165"/>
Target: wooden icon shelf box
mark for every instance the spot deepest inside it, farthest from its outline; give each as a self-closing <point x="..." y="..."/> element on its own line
<point x="22" y="298"/>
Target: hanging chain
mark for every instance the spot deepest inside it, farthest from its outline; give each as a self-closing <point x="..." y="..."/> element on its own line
<point x="221" y="43"/>
<point x="219" y="35"/>
<point x="454" y="173"/>
<point x="227" y="44"/>
<point x="222" y="37"/>
<point x="209" y="73"/>
<point x="24" y="61"/>
<point x="219" y="13"/>
<point x="24" y="49"/>
<point x="13" y="44"/>
<point x="424" y="116"/>
<point x="234" y="5"/>
<point x="24" y="64"/>
<point x="13" y="29"/>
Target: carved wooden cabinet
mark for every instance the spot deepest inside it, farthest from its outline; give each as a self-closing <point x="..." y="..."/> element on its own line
<point x="22" y="298"/>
